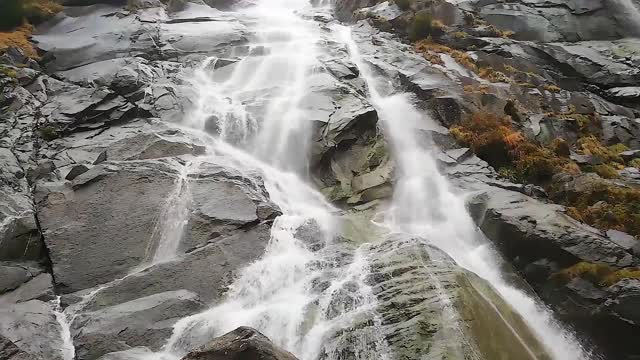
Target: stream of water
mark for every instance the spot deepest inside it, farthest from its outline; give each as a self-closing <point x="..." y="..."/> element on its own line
<point x="425" y="205"/>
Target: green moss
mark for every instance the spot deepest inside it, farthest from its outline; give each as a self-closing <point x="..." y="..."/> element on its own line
<point x="403" y="4"/>
<point x="48" y="133"/>
<point x="618" y="148"/>
<point x="605" y="205"/>
<point x="606" y="171"/>
<point x="7" y="71"/>
<point x="509" y="173"/>
<point x="598" y="274"/>
<point x="422" y="25"/>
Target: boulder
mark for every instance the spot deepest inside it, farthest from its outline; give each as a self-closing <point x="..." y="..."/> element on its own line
<point x="222" y="259"/>
<point x="40" y="287"/>
<point x="33" y="328"/>
<point x="13" y="276"/>
<point x="146" y="321"/>
<point x="527" y="230"/>
<point x="9" y="351"/>
<point x="243" y="343"/>
<point x="100" y="226"/>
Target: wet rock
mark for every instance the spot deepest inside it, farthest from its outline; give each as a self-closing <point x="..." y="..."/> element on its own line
<point x="146" y="321"/>
<point x="13" y="276"/>
<point x="244" y="205"/>
<point x="630" y="155"/>
<point x="242" y="343"/>
<point x="76" y="171"/>
<point x="344" y="9"/>
<point x="9" y="351"/>
<point x="618" y="129"/>
<point x="130" y="354"/>
<point x="119" y="205"/>
<point x="33" y="328"/>
<point x="40" y="287"/>
<point x="523" y="230"/>
<point x="410" y="280"/>
<point x="222" y="259"/>
<point x="623" y="239"/>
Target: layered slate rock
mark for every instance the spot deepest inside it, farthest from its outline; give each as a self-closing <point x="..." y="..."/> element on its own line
<point x="527" y="230"/>
<point x="146" y="321"/>
<point x="101" y="225"/>
<point x="242" y="343"/>
<point x="33" y="329"/>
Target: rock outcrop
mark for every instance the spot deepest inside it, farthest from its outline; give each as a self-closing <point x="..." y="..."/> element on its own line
<point x="241" y="343"/>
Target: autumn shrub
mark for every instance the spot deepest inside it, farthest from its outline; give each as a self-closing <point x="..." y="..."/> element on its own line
<point x="429" y="48"/>
<point x="18" y="38"/>
<point x="598" y="274"/>
<point x="605" y="205"/>
<point x="590" y="145"/>
<point x="494" y="140"/>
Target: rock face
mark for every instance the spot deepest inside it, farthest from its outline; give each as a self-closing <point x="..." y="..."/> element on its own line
<point x="241" y="343"/>
<point x="117" y="220"/>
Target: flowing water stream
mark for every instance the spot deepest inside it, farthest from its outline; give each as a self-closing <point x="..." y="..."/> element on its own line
<point x="310" y="292"/>
<point x="425" y="205"/>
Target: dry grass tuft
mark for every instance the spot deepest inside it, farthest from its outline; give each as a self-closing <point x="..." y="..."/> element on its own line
<point x="19" y="38"/>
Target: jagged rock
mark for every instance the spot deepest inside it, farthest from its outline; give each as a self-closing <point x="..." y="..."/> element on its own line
<point x="76" y="171"/>
<point x="525" y="232"/>
<point x="13" y="276"/>
<point x="9" y="351"/>
<point x="618" y="129"/>
<point x="146" y="321"/>
<point x="40" y="287"/>
<point x="242" y="343"/>
<point x="222" y="259"/>
<point x="33" y="328"/>
<point x="115" y="228"/>
<point x="557" y="21"/>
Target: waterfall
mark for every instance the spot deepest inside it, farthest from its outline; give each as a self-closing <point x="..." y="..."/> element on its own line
<point x="310" y="286"/>
<point x="68" y="350"/>
<point x="425" y="205"/>
<point x="173" y="219"/>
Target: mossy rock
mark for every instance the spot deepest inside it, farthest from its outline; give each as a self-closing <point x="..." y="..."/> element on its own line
<point x="48" y="133"/>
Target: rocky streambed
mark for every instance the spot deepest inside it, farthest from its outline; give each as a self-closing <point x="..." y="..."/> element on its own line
<point x="138" y="219"/>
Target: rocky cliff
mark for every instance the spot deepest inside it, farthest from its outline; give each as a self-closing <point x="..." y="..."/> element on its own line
<point x="538" y="122"/>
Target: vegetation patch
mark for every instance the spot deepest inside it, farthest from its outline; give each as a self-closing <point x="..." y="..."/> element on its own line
<point x="605" y="206"/>
<point x="429" y="48"/>
<point x="494" y="140"/>
<point x="424" y="26"/>
<point x="19" y="38"/>
<point x="598" y="274"/>
<point x="15" y="19"/>
<point x="48" y="133"/>
<point x="403" y="4"/>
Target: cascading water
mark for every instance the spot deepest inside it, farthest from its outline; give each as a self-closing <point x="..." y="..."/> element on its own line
<point x="424" y="205"/>
<point x="310" y="292"/>
<point x="309" y="286"/>
<point x="173" y="219"/>
<point x="68" y="350"/>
